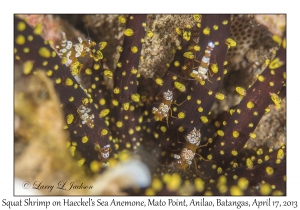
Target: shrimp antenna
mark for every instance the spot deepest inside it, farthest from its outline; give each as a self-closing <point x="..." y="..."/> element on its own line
<point x="89" y="38"/>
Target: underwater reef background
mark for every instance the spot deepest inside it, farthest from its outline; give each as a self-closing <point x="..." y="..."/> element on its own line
<point x="151" y="104"/>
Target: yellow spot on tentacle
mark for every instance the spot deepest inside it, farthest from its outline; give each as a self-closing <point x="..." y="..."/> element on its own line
<point x="30" y="38"/>
<point x="119" y="124"/>
<point x="58" y="80"/>
<point x="277" y="193"/>
<point x="104" y="132"/>
<point x="235" y="134"/>
<point x="45" y="63"/>
<point x="126" y="106"/>
<point x="44" y="52"/>
<point x="69" y="82"/>
<point x="115" y="102"/>
<point x="130" y="131"/>
<point x="208" y="193"/>
<point x="27" y="67"/>
<point x="74" y="70"/>
<point x="230" y="42"/>
<point x="150" y="34"/>
<point x="243" y="183"/>
<point x="85" y="101"/>
<point x="189" y="55"/>
<point x="88" y="71"/>
<point x="284" y="43"/>
<point x="280" y="154"/>
<point x="269" y="170"/>
<point x="276" y="99"/>
<point x="122" y="19"/>
<point x="156" y="184"/>
<point x="134" y="71"/>
<point x="149" y="192"/>
<point x="204" y="119"/>
<point x="108" y="73"/>
<point x="197" y="18"/>
<point x="265" y="189"/>
<point x="259" y="151"/>
<point x="135" y="97"/>
<point x="49" y="73"/>
<point x="180" y="129"/>
<point x="235" y="190"/>
<point x="200" y="109"/>
<point x="179" y="86"/>
<point x="252" y="135"/>
<point x="250" y="105"/>
<point x="70" y="118"/>
<point x="163" y="129"/>
<point x="26" y="50"/>
<point x="276" y="63"/>
<point x="97" y="147"/>
<point x="215" y="27"/>
<point x="234" y="152"/>
<point x="178" y="31"/>
<point x="20" y="40"/>
<point x="95" y="166"/>
<point x="261" y="78"/>
<point x="214" y="68"/>
<point x="225" y="22"/>
<point x="80" y="162"/>
<point x="176" y="63"/>
<point x="104" y="113"/>
<point x="220" y="133"/>
<point x="97" y="66"/>
<point x="209" y="157"/>
<point x="220" y="96"/>
<point x="181" y="115"/>
<point x="128" y="32"/>
<point x="206" y="31"/>
<point x="159" y="81"/>
<point x="197" y="48"/>
<point x="187" y="35"/>
<point x="72" y="150"/>
<point x="84" y="139"/>
<point x="134" y="49"/>
<point x="21" y="26"/>
<point x="116" y="90"/>
<point x="277" y="39"/>
<point x="174" y="182"/>
<point x="222" y="180"/>
<point x="223" y="189"/>
<point x="38" y="29"/>
<point x="249" y="163"/>
<point x="267" y="157"/>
